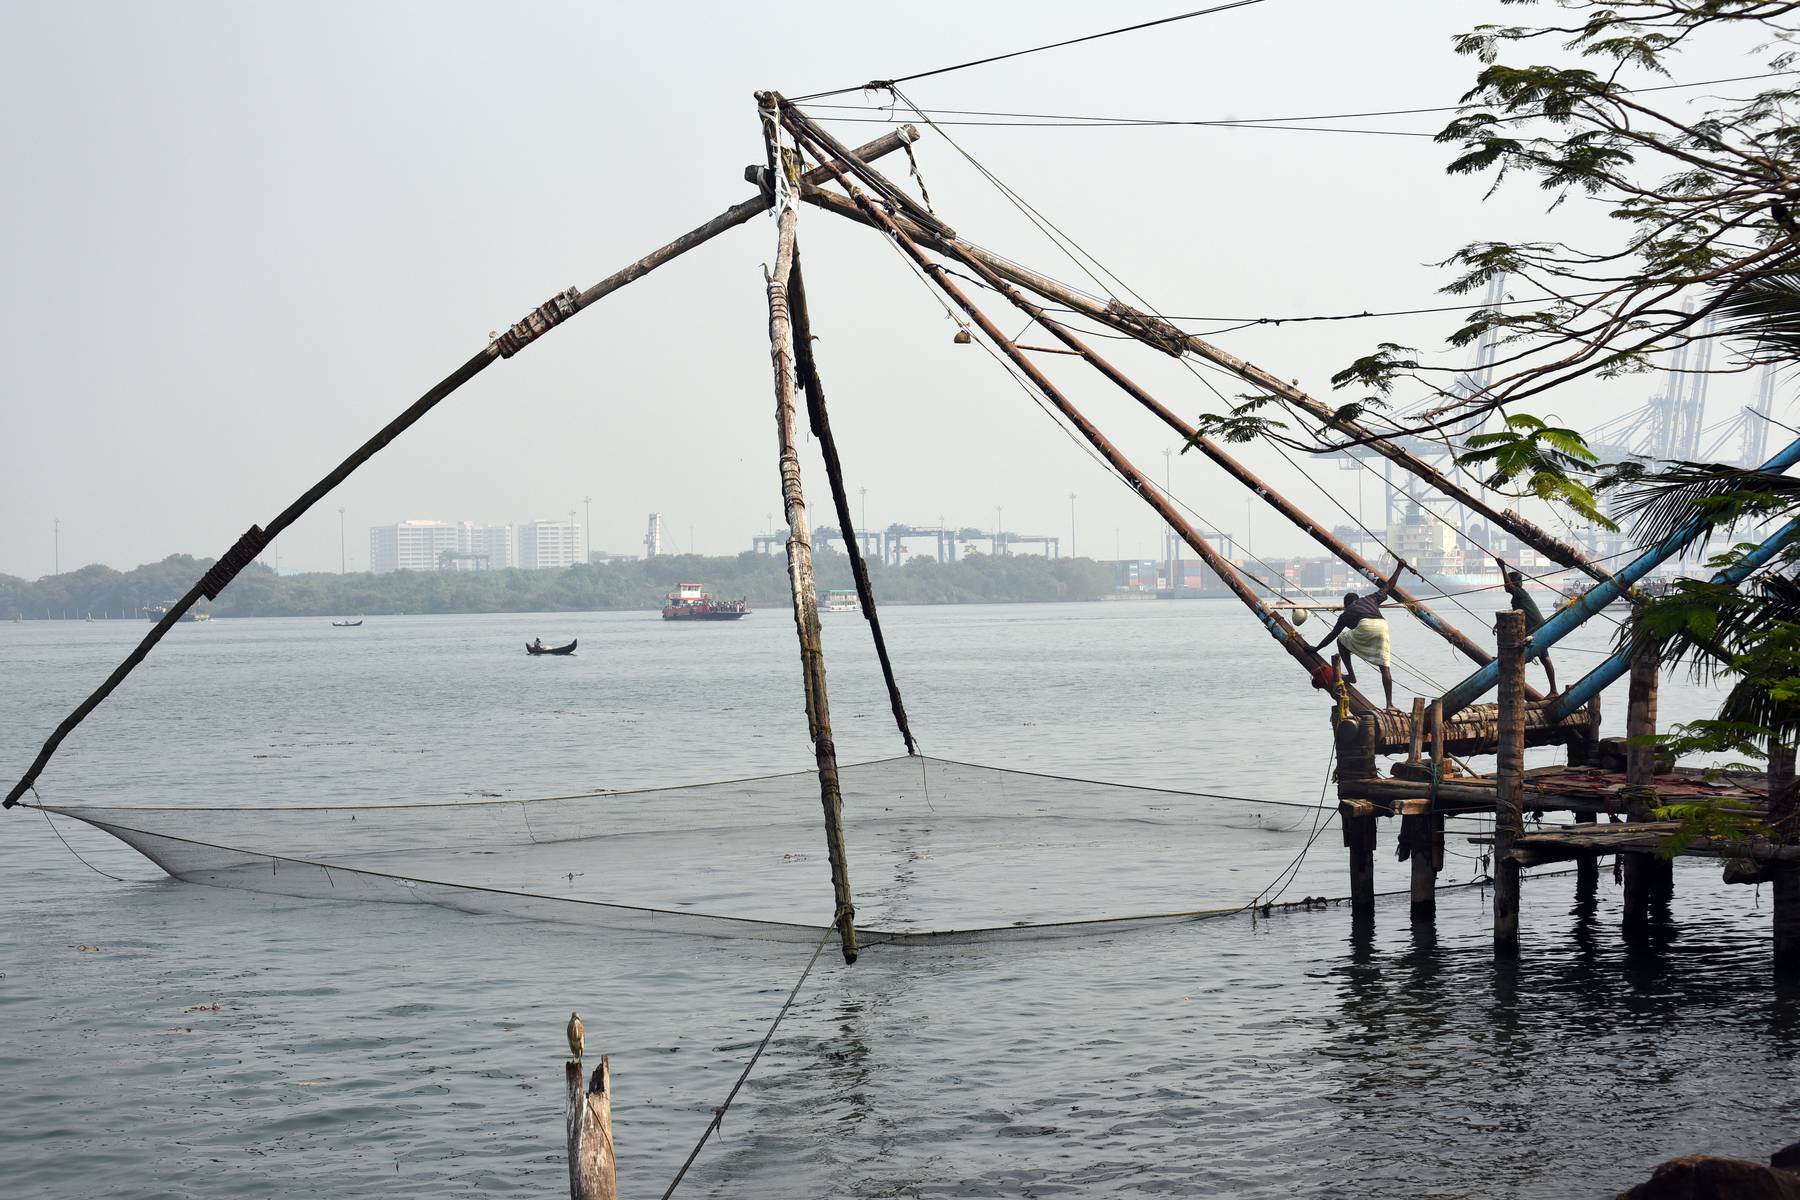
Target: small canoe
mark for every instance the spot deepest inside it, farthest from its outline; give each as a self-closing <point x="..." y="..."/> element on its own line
<point x="531" y="649"/>
<point x="346" y="624"/>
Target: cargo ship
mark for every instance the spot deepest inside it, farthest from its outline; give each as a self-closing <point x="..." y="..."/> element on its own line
<point x="689" y="602"/>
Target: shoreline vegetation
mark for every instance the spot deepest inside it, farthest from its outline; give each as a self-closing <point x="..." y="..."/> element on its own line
<point x="585" y="587"/>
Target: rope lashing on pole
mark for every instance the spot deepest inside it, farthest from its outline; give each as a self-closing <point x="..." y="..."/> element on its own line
<point x="539" y="321"/>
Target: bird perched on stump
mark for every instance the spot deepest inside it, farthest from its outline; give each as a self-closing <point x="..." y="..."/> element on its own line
<point x="577" y="1036"/>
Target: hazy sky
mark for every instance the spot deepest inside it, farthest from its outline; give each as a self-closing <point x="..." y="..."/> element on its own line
<point x="240" y="238"/>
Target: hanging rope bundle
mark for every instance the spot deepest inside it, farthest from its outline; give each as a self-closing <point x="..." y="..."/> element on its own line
<point x="821" y="428"/>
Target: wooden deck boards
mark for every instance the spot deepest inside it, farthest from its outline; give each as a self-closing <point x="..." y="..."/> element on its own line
<point x="1640" y="837"/>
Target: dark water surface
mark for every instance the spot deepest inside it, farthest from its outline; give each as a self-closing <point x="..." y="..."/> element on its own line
<point x="391" y="1049"/>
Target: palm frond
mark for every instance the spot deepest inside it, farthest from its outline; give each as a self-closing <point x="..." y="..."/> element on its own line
<point x="1766" y="311"/>
<point x="1698" y="498"/>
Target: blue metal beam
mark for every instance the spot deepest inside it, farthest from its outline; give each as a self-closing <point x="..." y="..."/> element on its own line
<point x="1597" y="680"/>
<point x="1572" y="616"/>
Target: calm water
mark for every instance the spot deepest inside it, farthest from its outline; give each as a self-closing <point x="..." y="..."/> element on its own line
<point x="372" y="1049"/>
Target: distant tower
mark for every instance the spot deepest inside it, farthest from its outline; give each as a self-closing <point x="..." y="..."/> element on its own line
<point x="1756" y="430"/>
<point x="653" y="538"/>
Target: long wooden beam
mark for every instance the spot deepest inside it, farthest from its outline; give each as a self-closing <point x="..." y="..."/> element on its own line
<point x="1313" y="529"/>
<point x="1161" y="335"/>
<point x="535" y="324"/>
<point x="1277" y="626"/>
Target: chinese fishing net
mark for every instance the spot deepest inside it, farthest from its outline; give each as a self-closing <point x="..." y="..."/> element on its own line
<point x="939" y="851"/>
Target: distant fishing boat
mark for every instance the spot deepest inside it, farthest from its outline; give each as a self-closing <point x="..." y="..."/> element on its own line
<point x="346" y="624"/>
<point x="537" y="648"/>
<point x="157" y="612"/>
<point x="690" y="602"/>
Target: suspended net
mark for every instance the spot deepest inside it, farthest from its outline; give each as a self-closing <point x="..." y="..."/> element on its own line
<point x="940" y="851"/>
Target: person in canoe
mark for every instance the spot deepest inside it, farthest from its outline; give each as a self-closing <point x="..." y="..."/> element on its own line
<point x="537" y="644"/>
<point x="1365" y="632"/>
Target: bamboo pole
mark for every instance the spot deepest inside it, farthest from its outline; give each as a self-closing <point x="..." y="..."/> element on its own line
<point x="1161" y="335"/>
<point x="1277" y="625"/>
<point x="540" y="321"/>
<point x="1642" y="872"/>
<point x="1509" y="777"/>
<point x="1293" y="513"/>
<point x="808" y="368"/>
<point x="593" y="1171"/>
<point x="799" y="545"/>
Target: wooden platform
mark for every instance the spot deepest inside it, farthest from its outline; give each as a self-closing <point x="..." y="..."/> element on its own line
<point x="1547" y="789"/>
<point x="1639" y="837"/>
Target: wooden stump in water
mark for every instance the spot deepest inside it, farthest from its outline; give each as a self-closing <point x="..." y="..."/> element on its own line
<point x="593" y="1174"/>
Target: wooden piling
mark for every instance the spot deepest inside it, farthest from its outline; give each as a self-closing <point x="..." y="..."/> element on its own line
<point x="593" y="1173"/>
<point x="1784" y="811"/>
<point x="1587" y="867"/>
<point x="1509" y="778"/>
<point x="1644" y="874"/>
<point x="1359" y="831"/>
<point x="799" y="545"/>
<point x="1423" y="892"/>
<point x="1359" y="836"/>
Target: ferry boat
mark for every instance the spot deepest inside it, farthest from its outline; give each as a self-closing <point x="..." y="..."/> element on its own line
<point x="690" y="602"/>
<point x="157" y="612"/>
<point x="1576" y="586"/>
<point x="839" y="600"/>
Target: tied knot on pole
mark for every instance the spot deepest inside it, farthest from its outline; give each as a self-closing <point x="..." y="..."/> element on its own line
<point x="1155" y="330"/>
<point x="241" y="555"/>
<point x="538" y="322"/>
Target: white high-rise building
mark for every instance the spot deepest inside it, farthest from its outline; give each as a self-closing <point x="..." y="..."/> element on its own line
<point x="487" y="547"/>
<point x="439" y="546"/>
<point x="549" y="544"/>
<point x="411" y="545"/>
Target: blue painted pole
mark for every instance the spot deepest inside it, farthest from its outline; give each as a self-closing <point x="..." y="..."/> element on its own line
<point x="1597" y="680"/>
<point x="1596" y="598"/>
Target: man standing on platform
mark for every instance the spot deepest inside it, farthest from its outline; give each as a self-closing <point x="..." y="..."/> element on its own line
<point x="1365" y="632"/>
<point x="1534" y="616"/>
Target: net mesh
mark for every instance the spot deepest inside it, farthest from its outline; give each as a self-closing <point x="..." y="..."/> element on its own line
<point x="940" y="851"/>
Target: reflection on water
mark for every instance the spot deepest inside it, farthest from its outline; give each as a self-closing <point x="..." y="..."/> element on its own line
<point x="411" y="1050"/>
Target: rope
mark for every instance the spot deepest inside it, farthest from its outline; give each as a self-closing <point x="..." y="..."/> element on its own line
<point x="65" y="841"/>
<point x="1292" y="870"/>
<point x="994" y="58"/>
<point x="719" y="1112"/>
